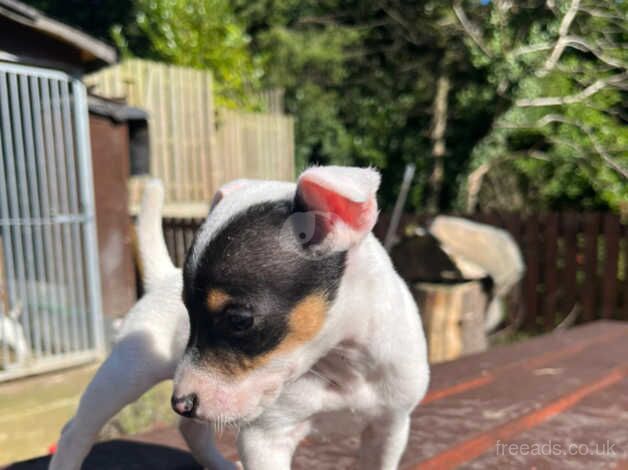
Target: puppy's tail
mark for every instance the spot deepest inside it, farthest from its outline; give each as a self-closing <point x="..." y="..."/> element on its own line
<point x="155" y="262"/>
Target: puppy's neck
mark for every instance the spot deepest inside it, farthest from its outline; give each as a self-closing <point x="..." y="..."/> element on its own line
<point x="350" y="318"/>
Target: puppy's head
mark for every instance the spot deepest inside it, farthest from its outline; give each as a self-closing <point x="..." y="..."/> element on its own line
<point x="259" y="281"/>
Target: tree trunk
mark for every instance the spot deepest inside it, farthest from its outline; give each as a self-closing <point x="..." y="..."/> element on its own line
<point x="439" y="126"/>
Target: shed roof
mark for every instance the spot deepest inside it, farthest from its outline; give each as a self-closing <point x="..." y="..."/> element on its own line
<point x="115" y="110"/>
<point x="90" y="49"/>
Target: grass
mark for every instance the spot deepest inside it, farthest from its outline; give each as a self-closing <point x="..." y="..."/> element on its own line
<point x="150" y="411"/>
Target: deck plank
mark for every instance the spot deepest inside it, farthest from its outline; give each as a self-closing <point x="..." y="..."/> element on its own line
<point x="562" y="389"/>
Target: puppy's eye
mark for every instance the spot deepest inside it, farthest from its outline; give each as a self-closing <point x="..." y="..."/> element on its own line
<point x="239" y="320"/>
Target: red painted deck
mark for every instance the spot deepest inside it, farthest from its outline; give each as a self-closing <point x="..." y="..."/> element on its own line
<point x="556" y="401"/>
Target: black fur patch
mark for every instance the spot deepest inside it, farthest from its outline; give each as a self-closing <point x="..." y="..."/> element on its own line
<point x="259" y="262"/>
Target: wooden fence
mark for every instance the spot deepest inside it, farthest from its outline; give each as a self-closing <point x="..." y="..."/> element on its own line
<point x="194" y="147"/>
<point x="258" y="146"/>
<point x="575" y="262"/>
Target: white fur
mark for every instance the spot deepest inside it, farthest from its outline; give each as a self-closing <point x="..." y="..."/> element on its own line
<point x="12" y="334"/>
<point x="231" y="203"/>
<point x="369" y="360"/>
<point x="356" y="184"/>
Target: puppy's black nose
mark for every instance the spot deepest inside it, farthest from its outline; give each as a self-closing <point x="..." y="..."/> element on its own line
<point x="185" y="405"/>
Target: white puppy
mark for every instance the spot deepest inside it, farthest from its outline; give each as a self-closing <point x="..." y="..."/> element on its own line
<point x="291" y="311"/>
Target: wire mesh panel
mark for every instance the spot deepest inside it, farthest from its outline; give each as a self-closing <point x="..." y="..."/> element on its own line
<point x="49" y="287"/>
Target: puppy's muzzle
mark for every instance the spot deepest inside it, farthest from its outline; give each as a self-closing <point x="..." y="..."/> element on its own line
<point x="185" y="405"/>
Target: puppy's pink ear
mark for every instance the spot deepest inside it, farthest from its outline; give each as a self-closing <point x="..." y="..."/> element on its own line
<point x="226" y="189"/>
<point x="343" y="200"/>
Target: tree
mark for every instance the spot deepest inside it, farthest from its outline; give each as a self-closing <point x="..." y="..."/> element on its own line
<point x="202" y="34"/>
<point x="360" y="77"/>
<point x="501" y="104"/>
<point x="96" y="17"/>
<point x="562" y="141"/>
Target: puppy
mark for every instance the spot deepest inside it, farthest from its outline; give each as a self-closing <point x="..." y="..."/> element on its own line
<point x="291" y="311"/>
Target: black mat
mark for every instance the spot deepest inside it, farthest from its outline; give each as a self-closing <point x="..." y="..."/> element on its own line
<point x="124" y="455"/>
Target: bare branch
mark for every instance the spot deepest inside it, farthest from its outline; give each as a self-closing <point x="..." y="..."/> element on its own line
<point x="576" y="98"/>
<point x="408" y="31"/>
<point x="574" y="42"/>
<point x="604" y="154"/>
<point x="565" y="24"/>
<point x="602" y="14"/>
<point x="474" y="184"/>
<point x="579" y="43"/>
<point x="470" y="28"/>
<point x="599" y="148"/>
<point x="552" y="118"/>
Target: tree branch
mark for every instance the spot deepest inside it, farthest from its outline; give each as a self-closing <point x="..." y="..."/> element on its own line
<point x="470" y="29"/>
<point x="560" y="45"/>
<point x="597" y="146"/>
<point x="397" y="18"/>
<point x="576" y="98"/>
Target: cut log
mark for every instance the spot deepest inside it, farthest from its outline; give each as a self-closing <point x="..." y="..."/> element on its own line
<point x="453" y="318"/>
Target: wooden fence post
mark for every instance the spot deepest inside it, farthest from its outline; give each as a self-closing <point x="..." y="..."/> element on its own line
<point x="611" y="255"/>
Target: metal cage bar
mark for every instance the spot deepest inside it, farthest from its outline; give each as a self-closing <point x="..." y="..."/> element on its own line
<point x="50" y="301"/>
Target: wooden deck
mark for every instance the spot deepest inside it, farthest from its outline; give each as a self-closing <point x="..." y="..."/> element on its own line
<point x="556" y="401"/>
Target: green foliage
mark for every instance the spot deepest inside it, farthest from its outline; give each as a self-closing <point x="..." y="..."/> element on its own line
<point x="570" y="153"/>
<point x="361" y="91"/>
<point x="360" y="77"/>
<point x="202" y="34"/>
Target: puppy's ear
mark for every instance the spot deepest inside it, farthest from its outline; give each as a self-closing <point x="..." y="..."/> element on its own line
<point x="226" y="189"/>
<point x="343" y="204"/>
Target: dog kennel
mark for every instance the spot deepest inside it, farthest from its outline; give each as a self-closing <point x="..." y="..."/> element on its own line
<point x="50" y="306"/>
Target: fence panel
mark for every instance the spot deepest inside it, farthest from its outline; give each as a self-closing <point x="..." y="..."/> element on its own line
<point x="575" y="264"/>
<point x="50" y="313"/>
<point x="191" y="152"/>
<point x="257" y="144"/>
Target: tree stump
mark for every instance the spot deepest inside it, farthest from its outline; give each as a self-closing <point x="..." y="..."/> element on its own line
<point x="453" y="318"/>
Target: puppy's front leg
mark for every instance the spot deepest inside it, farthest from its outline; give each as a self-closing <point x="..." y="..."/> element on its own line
<point x="266" y="449"/>
<point x="200" y="439"/>
<point x="132" y="368"/>
<point x="384" y="440"/>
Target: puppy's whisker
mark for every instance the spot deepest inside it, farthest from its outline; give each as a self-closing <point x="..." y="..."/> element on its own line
<point x="322" y="377"/>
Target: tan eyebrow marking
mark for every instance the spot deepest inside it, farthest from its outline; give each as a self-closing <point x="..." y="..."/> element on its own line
<point x="304" y="322"/>
<point x="217" y="299"/>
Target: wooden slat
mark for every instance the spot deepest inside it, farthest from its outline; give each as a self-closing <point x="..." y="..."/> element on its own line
<point x="188" y="152"/>
<point x="476" y="407"/>
<point x="625" y="283"/>
<point x="561" y="268"/>
<point x="569" y="230"/>
<point x="531" y="253"/>
<point x="550" y="236"/>
<point x="588" y="290"/>
<point x="512" y="223"/>
<point x="611" y="255"/>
